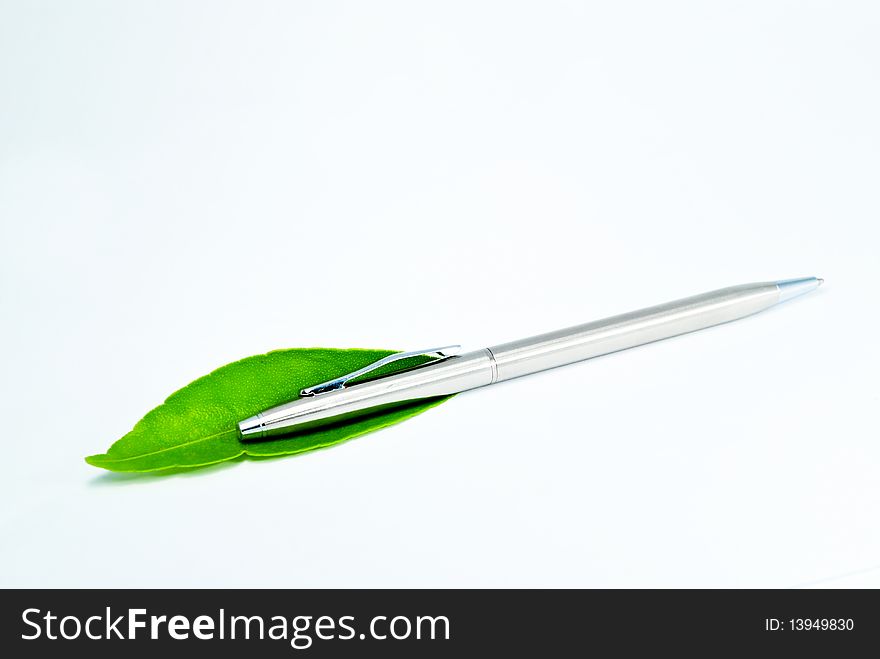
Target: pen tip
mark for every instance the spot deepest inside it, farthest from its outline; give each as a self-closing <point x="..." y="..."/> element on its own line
<point x="789" y="288"/>
<point x="820" y="280"/>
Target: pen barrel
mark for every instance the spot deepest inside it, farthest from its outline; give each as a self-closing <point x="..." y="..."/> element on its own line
<point x="574" y="344"/>
<point x="517" y="358"/>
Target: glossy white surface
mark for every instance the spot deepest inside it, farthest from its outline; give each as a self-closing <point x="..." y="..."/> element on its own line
<point x="185" y="184"/>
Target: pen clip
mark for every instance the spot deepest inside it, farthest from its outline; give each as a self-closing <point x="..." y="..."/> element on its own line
<point x="340" y="382"/>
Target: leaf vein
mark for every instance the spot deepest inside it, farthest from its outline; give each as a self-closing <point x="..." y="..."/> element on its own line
<point x="170" y="448"/>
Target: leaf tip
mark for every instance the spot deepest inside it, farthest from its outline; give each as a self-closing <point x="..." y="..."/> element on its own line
<point x="96" y="460"/>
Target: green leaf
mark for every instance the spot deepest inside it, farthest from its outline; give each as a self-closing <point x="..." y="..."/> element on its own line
<point x="198" y="425"/>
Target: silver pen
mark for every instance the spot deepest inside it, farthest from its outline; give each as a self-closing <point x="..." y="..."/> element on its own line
<point x="337" y="400"/>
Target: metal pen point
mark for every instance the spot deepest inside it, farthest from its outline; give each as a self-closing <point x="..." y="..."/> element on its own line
<point x="337" y="400"/>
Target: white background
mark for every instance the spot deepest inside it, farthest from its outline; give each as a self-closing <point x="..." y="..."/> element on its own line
<point x="185" y="184"/>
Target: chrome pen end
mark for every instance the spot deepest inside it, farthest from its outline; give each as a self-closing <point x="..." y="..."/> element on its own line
<point x="252" y="427"/>
<point x="789" y="288"/>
